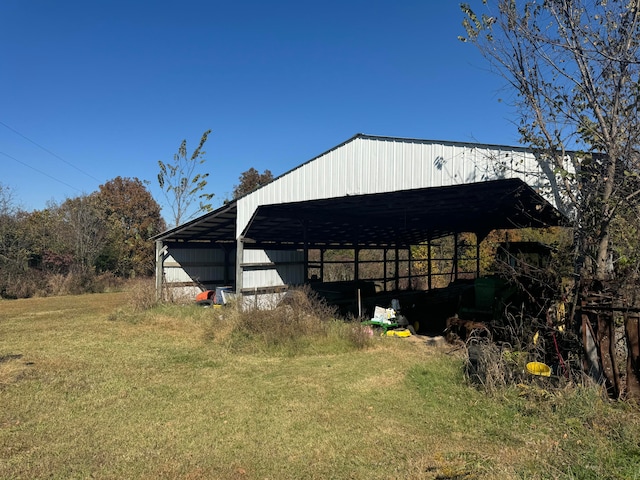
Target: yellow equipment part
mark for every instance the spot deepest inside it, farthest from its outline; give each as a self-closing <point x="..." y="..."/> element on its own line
<point x="398" y="333"/>
<point x="538" y="368"/>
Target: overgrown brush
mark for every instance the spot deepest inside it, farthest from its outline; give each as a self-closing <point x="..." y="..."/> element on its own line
<point x="141" y="294"/>
<point x="497" y="357"/>
<point x="299" y="322"/>
<point x="36" y="283"/>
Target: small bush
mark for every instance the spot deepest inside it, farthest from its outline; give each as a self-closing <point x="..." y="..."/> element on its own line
<point x="141" y="294"/>
<point x="55" y="284"/>
<point x="22" y="286"/>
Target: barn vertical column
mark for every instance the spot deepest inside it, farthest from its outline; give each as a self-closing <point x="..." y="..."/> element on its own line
<point x="160" y="251"/>
<point x="397" y="274"/>
<point x="409" y="259"/>
<point x="384" y="268"/>
<point x="455" y="256"/>
<point x="305" y="250"/>
<point x="429" y="284"/>
<point x="239" y="258"/>
<point x="477" y="255"/>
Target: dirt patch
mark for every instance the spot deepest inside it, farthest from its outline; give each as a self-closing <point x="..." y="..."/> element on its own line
<point x="12" y="368"/>
<point x="9" y="357"/>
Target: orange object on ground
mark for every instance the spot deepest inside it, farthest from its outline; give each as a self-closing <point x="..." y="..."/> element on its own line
<point x="206" y="295"/>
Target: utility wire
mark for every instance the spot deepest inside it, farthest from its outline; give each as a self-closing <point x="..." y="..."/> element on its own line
<point x="49" y="152"/>
<point x="39" y="171"/>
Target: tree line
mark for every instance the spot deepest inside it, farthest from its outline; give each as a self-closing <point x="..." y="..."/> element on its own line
<point x="93" y="241"/>
<point x="79" y="244"/>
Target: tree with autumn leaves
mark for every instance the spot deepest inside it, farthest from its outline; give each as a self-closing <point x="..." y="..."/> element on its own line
<point x="131" y="217"/>
<point x="65" y="247"/>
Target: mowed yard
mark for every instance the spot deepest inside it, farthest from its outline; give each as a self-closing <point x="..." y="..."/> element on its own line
<point x="90" y="389"/>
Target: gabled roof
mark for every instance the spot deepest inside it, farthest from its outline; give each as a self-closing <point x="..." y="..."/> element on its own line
<point x="397" y="218"/>
<point x="403" y="216"/>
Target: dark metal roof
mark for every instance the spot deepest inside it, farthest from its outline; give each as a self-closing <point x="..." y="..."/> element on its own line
<point x="406" y="217"/>
<point x="217" y="226"/>
<point x="402" y="217"/>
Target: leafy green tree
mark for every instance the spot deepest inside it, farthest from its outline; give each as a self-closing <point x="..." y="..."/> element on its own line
<point x="182" y="184"/>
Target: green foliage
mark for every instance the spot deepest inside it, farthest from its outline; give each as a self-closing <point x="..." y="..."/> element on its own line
<point x="182" y="183"/>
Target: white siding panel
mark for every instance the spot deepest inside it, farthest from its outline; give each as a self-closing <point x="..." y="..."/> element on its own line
<point x="196" y="265"/>
<point x="376" y="165"/>
<point x="272" y="268"/>
<point x="262" y="301"/>
<point x="367" y="165"/>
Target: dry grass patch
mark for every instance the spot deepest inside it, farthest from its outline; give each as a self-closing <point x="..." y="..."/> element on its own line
<point x="153" y="395"/>
<point x="12" y="368"/>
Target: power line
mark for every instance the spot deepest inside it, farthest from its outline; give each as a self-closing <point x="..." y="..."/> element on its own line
<point x="49" y="152"/>
<point x="40" y="171"/>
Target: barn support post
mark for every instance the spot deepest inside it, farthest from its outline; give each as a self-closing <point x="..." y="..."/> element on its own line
<point x="239" y="259"/>
<point x="356" y="264"/>
<point x="397" y="264"/>
<point x="429" y="283"/>
<point x="455" y="256"/>
<point x="322" y="264"/>
<point x="160" y="252"/>
<point x="409" y="260"/>
<point x="477" y="255"/>
<point x="384" y="268"/>
<point x="305" y="250"/>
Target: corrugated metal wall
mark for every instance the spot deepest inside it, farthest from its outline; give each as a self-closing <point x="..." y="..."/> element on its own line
<point x="272" y="268"/>
<point x="376" y="165"/>
<point x="189" y="270"/>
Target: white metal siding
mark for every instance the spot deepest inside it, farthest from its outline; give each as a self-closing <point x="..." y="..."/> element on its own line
<point x="378" y="165"/>
<point x="272" y="268"/>
<point x="186" y="265"/>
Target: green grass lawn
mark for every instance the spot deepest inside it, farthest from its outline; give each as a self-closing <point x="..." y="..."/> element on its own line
<point x="89" y="389"/>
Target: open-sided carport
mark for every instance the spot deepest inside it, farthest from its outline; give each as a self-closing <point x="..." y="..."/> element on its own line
<point x="393" y="220"/>
<point x="368" y="193"/>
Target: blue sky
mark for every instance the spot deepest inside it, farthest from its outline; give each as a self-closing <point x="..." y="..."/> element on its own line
<point x="96" y="89"/>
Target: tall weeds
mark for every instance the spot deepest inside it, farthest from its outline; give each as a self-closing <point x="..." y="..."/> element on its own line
<point x="300" y="322"/>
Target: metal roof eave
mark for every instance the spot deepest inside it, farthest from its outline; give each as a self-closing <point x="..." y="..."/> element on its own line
<point x="402" y="217"/>
<point x="219" y="225"/>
